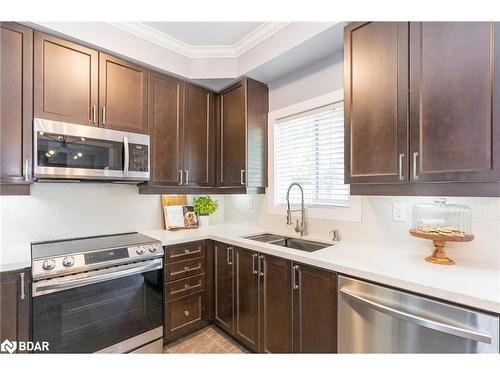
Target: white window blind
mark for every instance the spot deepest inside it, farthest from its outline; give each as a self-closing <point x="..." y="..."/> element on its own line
<point x="309" y="149"/>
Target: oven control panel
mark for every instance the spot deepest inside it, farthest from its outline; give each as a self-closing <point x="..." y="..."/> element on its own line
<point x="139" y="160"/>
<point x="80" y="262"/>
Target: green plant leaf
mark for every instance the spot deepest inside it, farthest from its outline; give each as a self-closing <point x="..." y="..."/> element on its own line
<point x="204" y="205"/>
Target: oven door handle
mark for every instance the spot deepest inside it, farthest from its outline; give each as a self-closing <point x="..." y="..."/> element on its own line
<point x="43" y="287"/>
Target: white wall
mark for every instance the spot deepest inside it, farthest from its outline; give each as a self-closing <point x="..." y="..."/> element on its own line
<point x="64" y="210"/>
<point x="320" y="78"/>
<point x="376" y="226"/>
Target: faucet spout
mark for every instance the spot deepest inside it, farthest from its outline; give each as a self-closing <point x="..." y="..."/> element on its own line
<point x="302" y="227"/>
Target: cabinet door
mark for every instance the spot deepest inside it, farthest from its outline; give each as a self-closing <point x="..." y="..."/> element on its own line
<point x="199" y="137"/>
<point x="224" y="284"/>
<point x="16" y="63"/>
<point x="232" y="153"/>
<point x="315" y="310"/>
<point x="165" y="126"/>
<point x="454" y="101"/>
<point x="246" y="328"/>
<point x="15" y="306"/>
<point x="65" y="81"/>
<point x="376" y="95"/>
<point x="122" y="95"/>
<point x="276" y="305"/>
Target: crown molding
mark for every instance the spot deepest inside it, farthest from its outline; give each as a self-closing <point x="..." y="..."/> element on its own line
<point x="249" y="41"/>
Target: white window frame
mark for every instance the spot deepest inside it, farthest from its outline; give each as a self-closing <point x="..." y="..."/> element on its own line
<point x="342" y="213"/>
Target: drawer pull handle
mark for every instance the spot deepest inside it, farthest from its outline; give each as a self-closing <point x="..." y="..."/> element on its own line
<point x="186" y="313"/>
<point x="185" y="252"/>
<point x="186" y="269"/>
<point x="186" y="287"/>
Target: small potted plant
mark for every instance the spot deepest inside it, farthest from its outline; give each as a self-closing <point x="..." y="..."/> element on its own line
<point x="203" y="207"/>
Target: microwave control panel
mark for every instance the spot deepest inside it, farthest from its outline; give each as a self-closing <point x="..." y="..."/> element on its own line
<point x="138" y="158"/>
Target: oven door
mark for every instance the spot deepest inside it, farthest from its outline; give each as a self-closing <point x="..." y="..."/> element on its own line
<point x="115" y="310"/>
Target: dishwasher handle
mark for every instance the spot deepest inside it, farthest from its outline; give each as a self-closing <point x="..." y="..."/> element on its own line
<point x="424" y="322"/>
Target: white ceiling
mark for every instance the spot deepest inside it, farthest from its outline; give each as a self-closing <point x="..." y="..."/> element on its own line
<point x="206" y="33"/>
<point x="265" y="51"/>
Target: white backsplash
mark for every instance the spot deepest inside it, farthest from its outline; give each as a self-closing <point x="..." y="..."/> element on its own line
<point x="65" y="210"/>
<point x="378" y="228"/>
<point x="57" y="210"/>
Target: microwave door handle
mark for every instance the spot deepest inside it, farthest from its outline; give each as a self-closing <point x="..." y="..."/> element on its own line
<point x="75" y="281"/>
<point x="421" y="321"/>
<point x="126" y="159"/>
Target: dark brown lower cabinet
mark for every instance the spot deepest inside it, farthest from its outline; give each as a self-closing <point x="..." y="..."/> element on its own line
<point x="246" y="302"/>
<point x="314" y="310"/>
<point x="224" y="284"/>
<point x="185" y="293"/>
<point x="273" y="305"/>
<point x="277" y="305"/>
<point x="15" y="305"/>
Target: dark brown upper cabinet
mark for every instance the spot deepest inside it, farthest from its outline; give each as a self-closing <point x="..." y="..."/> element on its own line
<point x="455" y="101"/>
<point x="165" y="101"/>
<point x="16" y="94"/>
<point x="315" y="310"/>
<point x="447" y="142"/>
<point x="199" y="136"/>
<point x="122" y="95"/>
<point x="15" y="308"/>
<point x="65" y="81"/>
<point x="242" y="137"/>
<point x="181" y="125"/>
<point x="375" y="102"/>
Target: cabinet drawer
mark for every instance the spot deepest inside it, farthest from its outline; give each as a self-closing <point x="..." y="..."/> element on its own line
<point x="185" y="251"/>
<point x="179" y="270"/>
<point x="185" y="313"/>
<point x="184" y="287"/>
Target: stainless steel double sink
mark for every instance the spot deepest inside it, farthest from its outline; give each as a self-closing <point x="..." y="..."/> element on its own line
<point x="293" y="243"/>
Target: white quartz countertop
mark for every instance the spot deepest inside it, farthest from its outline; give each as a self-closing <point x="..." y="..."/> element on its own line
<point x="468" y="283"/>
<point x="472" y="284"/>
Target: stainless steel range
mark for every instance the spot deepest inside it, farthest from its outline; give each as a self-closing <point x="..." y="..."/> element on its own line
<point x="99" y="294"/>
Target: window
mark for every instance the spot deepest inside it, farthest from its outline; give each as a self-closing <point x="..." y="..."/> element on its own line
<point x="309" y="149"/>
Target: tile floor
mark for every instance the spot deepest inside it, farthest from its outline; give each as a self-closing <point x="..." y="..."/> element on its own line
<point x="208" y="340"/>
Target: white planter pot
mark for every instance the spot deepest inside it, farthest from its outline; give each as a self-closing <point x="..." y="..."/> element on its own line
<point x="204" y="220"/>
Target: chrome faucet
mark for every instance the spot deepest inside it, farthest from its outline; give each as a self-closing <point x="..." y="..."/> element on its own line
<point x="302" y="227"/>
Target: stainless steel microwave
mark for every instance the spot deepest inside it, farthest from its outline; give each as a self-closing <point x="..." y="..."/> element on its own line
<point x="78" y="152"/>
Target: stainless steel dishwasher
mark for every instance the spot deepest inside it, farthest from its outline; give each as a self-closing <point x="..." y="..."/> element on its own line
<point x="376" y="319"/>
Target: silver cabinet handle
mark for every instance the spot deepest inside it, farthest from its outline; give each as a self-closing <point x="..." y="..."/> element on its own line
<point x="401" y="176"/>
<point x="295" y="279"/>
<point x="415" y="174"/>
<point x="242" y="180"/>
<point x="180" y="176"/>
<point x="229" y="250"/>
<point x="187" y="177"/>
<point x="126" y="160"/>
<point x="27" y="170"/>
<point x="103" y="115"/>
<point x="261" y="265"/>
<point x="424" y="322"/>
<point x="94" y="113"/>
<point x="255" y="270"/>
<point x="22" y="294"/>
